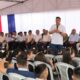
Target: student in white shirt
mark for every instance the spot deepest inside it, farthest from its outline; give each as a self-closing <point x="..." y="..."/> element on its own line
<point x="25" y="35"/>
<point x="9" y="37"/>
<point x="37" y="39"/>
<point x="46" y="38"/>
<point x="14" y="37"/>
<point x="20" y="41"/>
<point x="20" y="37"/>
<point x="73" y="39"/>
<point x="58" y="32"/>
<point x="30" y="40"/>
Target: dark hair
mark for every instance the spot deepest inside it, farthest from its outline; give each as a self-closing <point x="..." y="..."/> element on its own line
<point x="40" y="57"/>
<point x="58" y="17"/>
<point x="30" y="31"/>
<point x="39" y="69"/>
<point x="77" y="71"/>
<point x="21" y="59"/>
<point x="66" y="57"/>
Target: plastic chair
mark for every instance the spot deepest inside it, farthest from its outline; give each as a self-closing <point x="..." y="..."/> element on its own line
<point x="58" y="58"/>
<point x="31" y="66"/>
<point x="49" y="56"/>
<point x="63" y="70"/>
<point x="36" y="63"/>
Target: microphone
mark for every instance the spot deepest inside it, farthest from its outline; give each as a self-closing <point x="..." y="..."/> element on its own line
<point x="57" y="26"/>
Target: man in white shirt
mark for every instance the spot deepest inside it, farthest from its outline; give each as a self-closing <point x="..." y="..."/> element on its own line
<point x="73" y="39"/>
<point x="25" y="35"/>
<point x="46" y="38"/>
<point x="38" y="36"/>
<point x="20" y="37"/>
<point x="58" y="32"/>
<point x="20" y="41"/>
<point x="37" y="39"/>
<point x="30" y="40"/>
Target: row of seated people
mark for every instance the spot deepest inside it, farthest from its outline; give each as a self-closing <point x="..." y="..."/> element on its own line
<point x="39" y="41"/>
<point x="21" y="67"/>
<point x="26" y="41"/>
<point x="22" y="58"/>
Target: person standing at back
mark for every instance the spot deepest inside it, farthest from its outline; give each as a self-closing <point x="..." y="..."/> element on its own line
<point x="58" y="31"/>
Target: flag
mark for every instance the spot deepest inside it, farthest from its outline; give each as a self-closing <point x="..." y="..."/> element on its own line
<point x="11" y="23"/>
<point x="0" y="25"/>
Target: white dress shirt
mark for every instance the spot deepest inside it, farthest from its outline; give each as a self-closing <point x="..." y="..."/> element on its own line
<point x="74" y="38"/>
<point x="2" y="39"/>
<point x="37" y="38"/>
<point x="46" y="38"/>
<point x="20" y="38"/>
<point x="56" y="37"/>
<point x="30" y="37"/>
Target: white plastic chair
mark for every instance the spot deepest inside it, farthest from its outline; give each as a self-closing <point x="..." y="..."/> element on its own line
<point x="49" y="67"/>
<point x="49" y="56"/>
<point x="30" y="64"/>
<point x="63" y="70"/>
<point x="59" y="58"/>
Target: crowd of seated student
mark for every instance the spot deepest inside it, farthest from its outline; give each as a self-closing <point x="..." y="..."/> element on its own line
<point x="38" y="40"/>
<point x="21" y="67"/>
<point x="22" y="57"/>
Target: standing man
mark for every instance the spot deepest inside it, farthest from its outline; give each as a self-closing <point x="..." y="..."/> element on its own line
<point x="58" y="32"/>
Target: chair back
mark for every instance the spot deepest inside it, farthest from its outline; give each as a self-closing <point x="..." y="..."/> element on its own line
<point x="49" y="67"/>
<point x="58" y="58"/>
<point x="63" y="70"/>
<point x="49" y="56"/>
